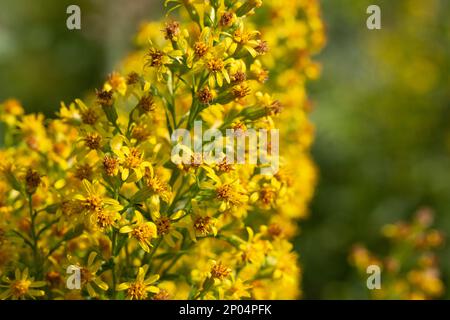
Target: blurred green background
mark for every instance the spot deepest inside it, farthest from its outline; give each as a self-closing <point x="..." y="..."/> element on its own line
<point x="382" y="111"/>
<point x="383" y="134"/>
<point x="43" y="63"/>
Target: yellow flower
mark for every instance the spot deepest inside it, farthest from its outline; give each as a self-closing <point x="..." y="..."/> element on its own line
<point x="235" y="289"/>
<point x="132" y="164"/>
<point x="93" y="200"/>
<point x="215" y="62"/>
<point x="200" y="47"/>
<point x="200" y="223"/>
<point x="22" y="286"/>
<point x="139" y="289"/>
<point x="143" y="231"/>
<point x="160" y="59"/>
<point x="160" y="188"/>
<point x="10" y="110"/>
<point x="167" y="229"/>
<point x="254" y="250"/>
<point x="116" y="82"/>
<point x="88" y="274"/>
<point x="242" y="39"/>
<point x="227" y="191"/>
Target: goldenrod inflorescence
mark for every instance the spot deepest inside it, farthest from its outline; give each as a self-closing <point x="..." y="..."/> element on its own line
<point x="95" y="190"/>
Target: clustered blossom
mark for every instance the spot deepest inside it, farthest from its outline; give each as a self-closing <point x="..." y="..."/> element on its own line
<point x="95" y="188"/>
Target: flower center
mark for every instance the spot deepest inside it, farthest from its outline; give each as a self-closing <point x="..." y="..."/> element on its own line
<point x="275" y="230"/>
<point x="137" y="291"/>
<point x="140" y="133"/>
<point x="219" y="271"/>
<point x="32" y="179"/>
<point x="162" y="295"/>
<point x="104" y="219"/>
<point x="84" y="171"/>
<point x="146" y="103"/>
<point x="200" y="49"/>
<point x="227" y="193"/>
<point x="215" y="65"/>
<point x="142" y="232"/>
<point x="133" y="159"/>
<point x="241" y="37"/>
<point x="156" y="57"/>
<point x="93" y="203"/>
<point x="115" y="80"/>
<point x="85" y="275"/>
<point x="203" y="225"/>
<point x="226" y="19"/>
<point x="92" y="141"/>
<point x="240" y="91"/>
<point x="224" y="166"/>
<point x="104" y="97"/>
<point x="89" y="117"/>
<point x="20" y="287"/>
<point x="111" y="165"/>
<point x="205" y="96"/>
<point x="267" y="195"/>
<point x="163" y="225"/>
<point x="172" y="30"/>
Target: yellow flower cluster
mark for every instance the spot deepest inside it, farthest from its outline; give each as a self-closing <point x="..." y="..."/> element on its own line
<point x="95" y="189"/>
<point x="410" y="268"/>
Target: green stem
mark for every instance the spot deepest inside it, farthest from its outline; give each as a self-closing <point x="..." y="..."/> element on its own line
<point x="113" y="267"/>
<point x="34" y="238"/>
<point x="148" y="257"/>
<point x="207" y="284"/>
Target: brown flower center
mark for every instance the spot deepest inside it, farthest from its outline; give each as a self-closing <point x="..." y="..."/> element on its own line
<point x="89" y="117"/>
<point x="226" y="19"/>
<point x="20" y="287"/>
<point x="93" y="203"/>
<point x="163" y="225"/>
<point x="215" y="65"/>
<point x="203" y="225"/>
<point x="275" y="230"/>
<point x="92" y="141"/>
<point x="140" y="133"/>
<point x="142" y="232"/>
<point x="162" y="295"/>
<point x="205" y="96"/>
<point x="104" y="219"/>
<point x="146" y="103"/>
<point x="267" y="195"/>
<point x="104" y="97"/>
<point x="219" y="271"/>
<point x="32" y="180"/>
<point x="85" y="275"/>
<point x="240" y="91"/>
<point x="155" y="57"/>
<point x="137" y="290"/>
<point x="132" y="78"/>
<point x="84" y="171"/>
<point x="172" y="30"/>
<point x="200" y="49"/>
<point x="111" y="165"/>
<point x="133" y="159"/>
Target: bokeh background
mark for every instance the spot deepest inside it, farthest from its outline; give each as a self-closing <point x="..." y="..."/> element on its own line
<point x="381" y="111"/>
